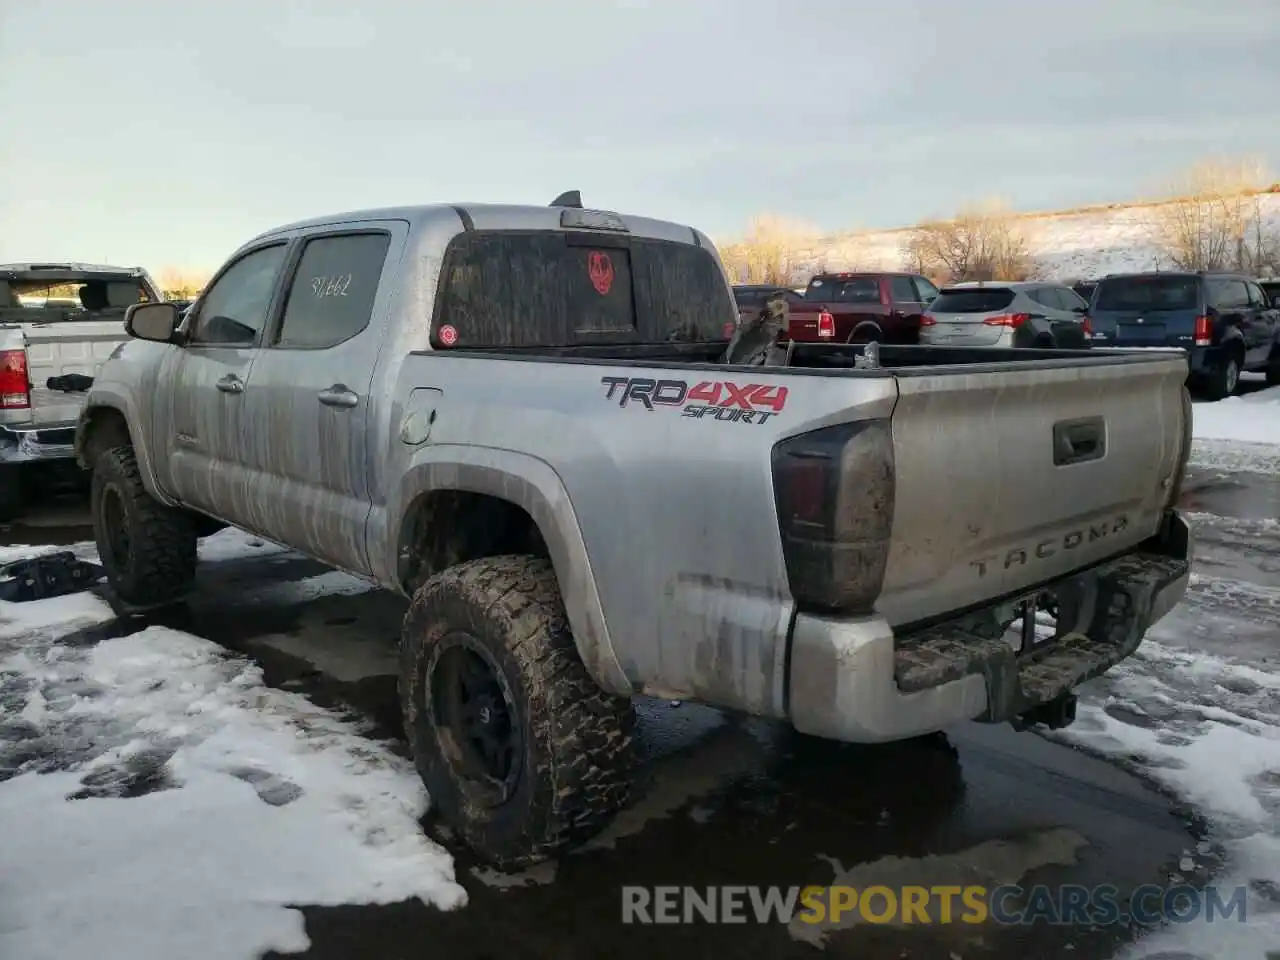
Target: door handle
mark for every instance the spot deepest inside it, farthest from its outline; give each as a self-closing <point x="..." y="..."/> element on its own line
<point x="1079" y="441"/>
<point x="231" y="384"/>
<point x="338" y="396"/>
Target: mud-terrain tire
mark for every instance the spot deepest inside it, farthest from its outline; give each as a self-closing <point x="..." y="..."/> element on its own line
<point x="11" y="492"/>
<point x="147" y="549"/>
<point x="563" y="764"/>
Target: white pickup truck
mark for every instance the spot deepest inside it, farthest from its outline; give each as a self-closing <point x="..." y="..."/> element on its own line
<point x="58" y="321"/>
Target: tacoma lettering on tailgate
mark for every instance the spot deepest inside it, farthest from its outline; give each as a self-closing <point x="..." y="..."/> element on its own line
<point x="1047" y="548"/>
<point x="717" y="399"/>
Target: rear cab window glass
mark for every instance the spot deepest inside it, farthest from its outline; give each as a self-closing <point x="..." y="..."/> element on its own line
<point x="903" y="290"/>
<point x="68" y="296"/>
<point x="985" y="300"/>
<point x="844" y="290"/>
<point x="331" y="297"/>
<point x="1150" y="294"/>
<point x="548" y="288"/>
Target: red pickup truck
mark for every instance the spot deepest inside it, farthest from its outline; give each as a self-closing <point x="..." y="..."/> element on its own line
<point x="861" y="307"/>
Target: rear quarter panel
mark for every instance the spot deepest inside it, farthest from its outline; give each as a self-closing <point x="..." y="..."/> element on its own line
<point x="679" y="572"/>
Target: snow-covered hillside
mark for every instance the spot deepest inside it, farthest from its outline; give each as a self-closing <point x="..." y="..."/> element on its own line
<point x="1066" y="246"/>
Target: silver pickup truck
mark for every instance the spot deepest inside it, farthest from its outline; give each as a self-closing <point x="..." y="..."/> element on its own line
<point x="58" y="323"/>
<point x="523" y="418"/>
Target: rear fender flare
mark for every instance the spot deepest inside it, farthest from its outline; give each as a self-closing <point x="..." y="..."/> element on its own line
<point x="532" y="484"/>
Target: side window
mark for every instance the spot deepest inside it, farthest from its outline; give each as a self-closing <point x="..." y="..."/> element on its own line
<point x="928" y="292"/>
<point x="1235" y="294"/>
<point x="1044" y="296"/>
<point x="1256" y="297"/>
<point x="1070" y="299"/>
<point x="233" y="311"/>
<point x="331" y="297"/>
<point x="1214" y="293"/>
<point x="903" y="290"/>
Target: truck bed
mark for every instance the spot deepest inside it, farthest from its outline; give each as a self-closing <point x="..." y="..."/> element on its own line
<point x="990" y="498"/>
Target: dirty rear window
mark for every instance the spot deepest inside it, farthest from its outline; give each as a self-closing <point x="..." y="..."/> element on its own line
<point x="835" y="290"/>
<point x="1149" y="294"/>
<point x="984" y="300"/>
<point x="71" y="299"/>
<point x="544" y="288"/>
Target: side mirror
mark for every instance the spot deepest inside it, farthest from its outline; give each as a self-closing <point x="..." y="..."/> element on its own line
<point x="152" y="321"/>
<point x="1275" y="302"/>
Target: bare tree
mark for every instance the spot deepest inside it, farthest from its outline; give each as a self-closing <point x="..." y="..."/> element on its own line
<point x="179" y="284"/>
<point x="1214" y="220"/>
<point x="771" y="252"/>
<point x="983" y="242"/>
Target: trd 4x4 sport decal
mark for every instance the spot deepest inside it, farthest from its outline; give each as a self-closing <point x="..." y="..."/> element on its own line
<point x="718" y="399"/>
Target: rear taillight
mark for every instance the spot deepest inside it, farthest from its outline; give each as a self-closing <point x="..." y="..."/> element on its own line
<point x="1087" y="326"/>
<point x="1014" y="320"/>
<point x="826" y="325"/>
<point x="834" y="492"/>
<point x="15" y="388"/>
<point x="1204" y="330"/>
<point x="928" y="321"/>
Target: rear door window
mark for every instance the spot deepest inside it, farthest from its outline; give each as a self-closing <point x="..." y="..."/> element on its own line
<point x="835" y="290"/>
<point x="1045" y="296"/>
<point x="331" y="297"/>
<point x="986" y="300"/>
<point x="903" y="290"/>
<point x="927" y="290"/>
<point x="1228" y="294"/>
<point x="1148" y="294"/>
<point x="549" y="288"/>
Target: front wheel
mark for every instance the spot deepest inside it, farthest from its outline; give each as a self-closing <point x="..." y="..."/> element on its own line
<point x="521" y="752"/>
<point x="147" y="549"/>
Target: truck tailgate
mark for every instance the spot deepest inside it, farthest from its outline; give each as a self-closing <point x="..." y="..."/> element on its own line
<point x="1007" y="477"/>
<point x="56" y="349"/>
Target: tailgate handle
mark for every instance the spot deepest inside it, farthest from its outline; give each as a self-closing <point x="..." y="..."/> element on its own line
<point x="1079" y="441"/>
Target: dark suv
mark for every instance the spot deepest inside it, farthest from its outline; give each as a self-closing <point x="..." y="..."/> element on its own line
<point x="1224" y="321"/>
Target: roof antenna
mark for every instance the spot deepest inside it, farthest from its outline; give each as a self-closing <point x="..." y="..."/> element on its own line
<point x="570" y="198"/>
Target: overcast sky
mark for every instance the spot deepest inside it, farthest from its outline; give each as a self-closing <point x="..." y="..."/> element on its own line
<point x="154" y="132"/>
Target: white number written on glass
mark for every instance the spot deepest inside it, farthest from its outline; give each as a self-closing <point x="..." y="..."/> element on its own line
<point x="330" y="286"/>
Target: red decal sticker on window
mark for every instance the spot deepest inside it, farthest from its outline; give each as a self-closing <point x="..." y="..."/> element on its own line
<point x="448" y="335"/>
<point x="600" y="267"/>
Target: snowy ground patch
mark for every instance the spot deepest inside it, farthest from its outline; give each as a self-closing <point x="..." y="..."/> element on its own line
<point x="1249" y="418"/>
<point x="156" y="776"/>
<point x="1209" y="730"/>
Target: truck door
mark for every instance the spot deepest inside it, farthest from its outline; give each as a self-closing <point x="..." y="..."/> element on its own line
<point x="200" y="417"/>
<point x="308" y="441"/>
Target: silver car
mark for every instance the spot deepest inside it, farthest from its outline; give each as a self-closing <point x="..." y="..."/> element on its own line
<point x="993" y="313"/>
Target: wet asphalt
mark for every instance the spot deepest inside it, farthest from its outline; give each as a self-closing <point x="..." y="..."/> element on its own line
<point x="732" y="801"/>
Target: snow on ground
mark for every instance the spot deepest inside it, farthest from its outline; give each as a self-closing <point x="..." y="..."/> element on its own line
<point x="1248" y="418"/>
<point x="1209" y="730"/>
<point x="1238" y="434"/>
<point x="1065" y="246"/>
<point x="155" y="775"/>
